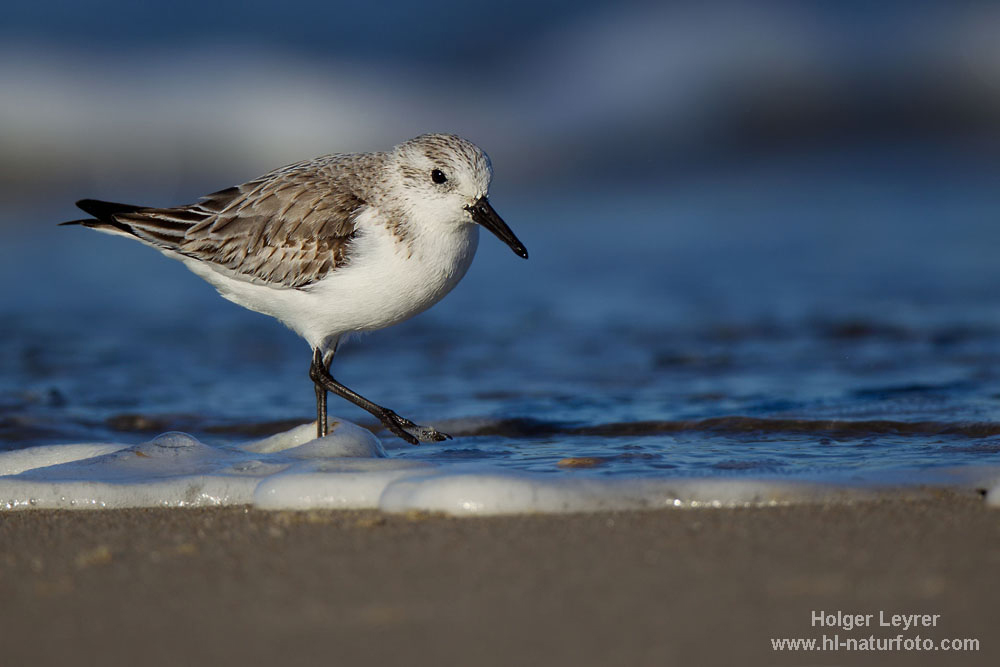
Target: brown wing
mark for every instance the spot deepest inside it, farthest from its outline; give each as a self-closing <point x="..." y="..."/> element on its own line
<point x="288" y="228"/>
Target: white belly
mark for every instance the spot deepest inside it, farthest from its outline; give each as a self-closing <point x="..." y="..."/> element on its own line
<point x="385" y="282"/>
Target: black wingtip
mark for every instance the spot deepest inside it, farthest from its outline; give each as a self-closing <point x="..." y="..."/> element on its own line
<point x="104" y="213"/>
<point x="105" y="210"/>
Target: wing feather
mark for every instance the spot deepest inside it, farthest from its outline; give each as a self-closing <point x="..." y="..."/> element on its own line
<point x="288" y="228"/>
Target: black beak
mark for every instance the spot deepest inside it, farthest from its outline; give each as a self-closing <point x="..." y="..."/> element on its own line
<point x="483" y="214"/>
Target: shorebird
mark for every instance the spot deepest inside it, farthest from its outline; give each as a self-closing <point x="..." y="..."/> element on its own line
<point x="333" y="246"/>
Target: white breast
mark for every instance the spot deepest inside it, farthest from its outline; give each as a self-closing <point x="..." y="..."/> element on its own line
<point x="385" y="282"/>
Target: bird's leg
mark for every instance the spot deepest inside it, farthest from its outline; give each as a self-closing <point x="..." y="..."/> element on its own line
<point x="402" y="427"/>
<point x="321" y="427"/>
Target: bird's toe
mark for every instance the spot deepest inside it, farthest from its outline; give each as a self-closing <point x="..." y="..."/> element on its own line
<point x="427" y="434"/>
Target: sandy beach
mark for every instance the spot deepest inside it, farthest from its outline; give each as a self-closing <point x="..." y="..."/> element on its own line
<point x="695" y="586"/>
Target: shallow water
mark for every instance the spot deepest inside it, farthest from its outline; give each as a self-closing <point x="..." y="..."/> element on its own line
<point x="822" y="318"/>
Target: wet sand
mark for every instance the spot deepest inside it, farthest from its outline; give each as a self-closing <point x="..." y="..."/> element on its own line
<point x="690" y="587"/>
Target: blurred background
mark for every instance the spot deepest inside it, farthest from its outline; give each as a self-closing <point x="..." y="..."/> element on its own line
<point x="764" y="208"/>
<point x="111" y="95"/>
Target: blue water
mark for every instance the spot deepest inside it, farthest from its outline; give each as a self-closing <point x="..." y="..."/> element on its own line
<point x="812" y="316"/>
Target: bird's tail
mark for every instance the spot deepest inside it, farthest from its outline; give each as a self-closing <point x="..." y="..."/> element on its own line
<point x="104" y="213"/>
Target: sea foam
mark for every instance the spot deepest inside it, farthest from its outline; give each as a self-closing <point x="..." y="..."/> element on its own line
<point x="349" y="469"/>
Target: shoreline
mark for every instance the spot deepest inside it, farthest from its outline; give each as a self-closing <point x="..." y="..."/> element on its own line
<point x="673" y="586"/>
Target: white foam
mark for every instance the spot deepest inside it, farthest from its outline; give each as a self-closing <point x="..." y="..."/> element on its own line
<point x="12" y="463"/>
<point x="348" y="484"/>
<point x="173" y="469"/>
<point x="486" y="492"/>
<point x="349" y="469"/>
<point x="345" y="440"/>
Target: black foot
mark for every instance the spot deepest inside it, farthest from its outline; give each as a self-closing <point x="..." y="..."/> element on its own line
<point x="410" y="432"/>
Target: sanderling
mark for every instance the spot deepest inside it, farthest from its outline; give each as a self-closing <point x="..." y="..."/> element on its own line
<point x="332" y="246"/>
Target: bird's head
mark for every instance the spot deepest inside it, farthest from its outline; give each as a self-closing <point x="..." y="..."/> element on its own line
<point x="445" y="179"/>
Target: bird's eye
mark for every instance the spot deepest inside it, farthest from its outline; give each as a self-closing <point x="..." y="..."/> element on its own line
<point x="438" y="176"/>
